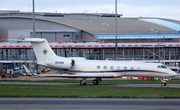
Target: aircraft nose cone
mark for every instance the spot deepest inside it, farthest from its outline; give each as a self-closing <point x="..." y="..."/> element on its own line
<point x="173" y="73"/>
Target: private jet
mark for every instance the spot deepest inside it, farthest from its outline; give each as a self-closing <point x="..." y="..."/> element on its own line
<point x="80" y="67"/>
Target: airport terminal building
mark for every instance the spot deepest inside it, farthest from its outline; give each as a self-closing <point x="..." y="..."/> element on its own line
<point x="91" y="36"/>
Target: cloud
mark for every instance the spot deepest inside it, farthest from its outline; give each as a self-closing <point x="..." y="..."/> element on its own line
<point x="152" y="11"/>
<point x="92" y="8"/>
<point x="129" y="8"/>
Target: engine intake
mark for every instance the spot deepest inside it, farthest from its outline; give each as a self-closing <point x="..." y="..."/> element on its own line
<point x="72" y="63"/>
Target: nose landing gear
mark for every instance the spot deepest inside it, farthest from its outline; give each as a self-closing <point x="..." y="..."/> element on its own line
<point x="163" y="82"/>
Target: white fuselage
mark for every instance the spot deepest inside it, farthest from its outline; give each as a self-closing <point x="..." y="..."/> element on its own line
<point x="115" y="68"/>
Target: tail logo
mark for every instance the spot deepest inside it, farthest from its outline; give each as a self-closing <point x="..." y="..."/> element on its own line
<point x="45" y="51"/>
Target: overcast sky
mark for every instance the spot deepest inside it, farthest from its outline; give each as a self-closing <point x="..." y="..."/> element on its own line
<point x="129" y="8"/>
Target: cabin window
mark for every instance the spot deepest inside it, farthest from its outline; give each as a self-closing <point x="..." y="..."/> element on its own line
<point x="118" y="67"/>
<point x="98" y="67"/>
<point x="112" y="67"/>
<point x="125" y="68"/>
<point x="138" y="68"/>
<point x="67" y="35"/>
<point x="132" y="68"/>
<point x="105" y="67"/>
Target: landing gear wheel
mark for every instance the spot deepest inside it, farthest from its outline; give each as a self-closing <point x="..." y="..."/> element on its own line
<point x="95" y="82"/>
<point x="82" y="83"/>
<point x="164" y="84"/>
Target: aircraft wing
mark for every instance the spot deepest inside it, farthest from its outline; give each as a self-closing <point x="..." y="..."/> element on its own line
<point x="79" y="76"/>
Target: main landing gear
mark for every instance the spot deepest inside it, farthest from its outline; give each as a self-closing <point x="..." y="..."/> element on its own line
<point x="95" y="81"/>
<point x="83" y="81"/>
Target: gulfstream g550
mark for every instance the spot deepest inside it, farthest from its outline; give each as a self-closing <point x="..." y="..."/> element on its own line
<point x="79" y="67"/>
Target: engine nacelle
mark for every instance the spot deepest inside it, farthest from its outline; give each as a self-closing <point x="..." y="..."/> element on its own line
<point x="62" y="63"/>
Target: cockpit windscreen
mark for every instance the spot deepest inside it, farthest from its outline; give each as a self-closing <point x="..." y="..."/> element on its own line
<point x="162" y="66"/>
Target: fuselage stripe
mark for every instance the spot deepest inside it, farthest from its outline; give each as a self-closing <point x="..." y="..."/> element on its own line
<point x="117" y="71"/>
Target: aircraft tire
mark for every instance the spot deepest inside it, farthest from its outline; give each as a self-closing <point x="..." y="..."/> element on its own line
<point x="81" y="83"/>
<point x="95" y="82"/>
<point x="164" y="84"/>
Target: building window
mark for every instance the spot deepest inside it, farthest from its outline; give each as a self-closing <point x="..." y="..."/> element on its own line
<point x="118" y="67"/>
<point x="132" y="68"/>
<point x="98" y="67"/>
<point x="138" y="68"/>
<point x="66" y="35"/>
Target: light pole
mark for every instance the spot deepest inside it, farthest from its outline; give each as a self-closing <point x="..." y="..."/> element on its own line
<point x="33" y="37"/>
<point x="33" y="21"/>
<point x="116" y="27"/>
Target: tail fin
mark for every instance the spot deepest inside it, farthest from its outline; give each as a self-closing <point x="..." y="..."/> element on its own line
<point x="41" y="49"/>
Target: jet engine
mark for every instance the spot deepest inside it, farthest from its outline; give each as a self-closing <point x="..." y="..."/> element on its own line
<point x="61" y="63"/>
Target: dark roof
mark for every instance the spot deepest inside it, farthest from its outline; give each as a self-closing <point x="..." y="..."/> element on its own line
<point x="107" y="25"/>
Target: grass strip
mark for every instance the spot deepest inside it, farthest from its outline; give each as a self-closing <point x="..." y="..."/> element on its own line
<point x="113" y="81"/>
<point x="87" y="91"/>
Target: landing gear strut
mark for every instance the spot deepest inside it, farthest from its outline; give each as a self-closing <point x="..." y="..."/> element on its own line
<point x="83" y="81"/>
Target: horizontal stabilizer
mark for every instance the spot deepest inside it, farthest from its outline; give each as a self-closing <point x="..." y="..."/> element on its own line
<point x="29" y="40"/>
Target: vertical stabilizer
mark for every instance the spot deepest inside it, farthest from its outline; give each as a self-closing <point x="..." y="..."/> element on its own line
<point x="41" y="49"/>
